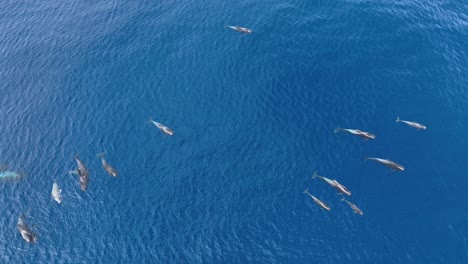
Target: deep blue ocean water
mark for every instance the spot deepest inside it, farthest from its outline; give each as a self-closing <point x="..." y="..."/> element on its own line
<point x="253" y="117"/>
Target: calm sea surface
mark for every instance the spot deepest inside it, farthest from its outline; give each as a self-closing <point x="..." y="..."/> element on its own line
<point x="253" y="117"/>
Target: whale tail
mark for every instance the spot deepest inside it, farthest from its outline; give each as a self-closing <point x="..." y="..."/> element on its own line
<point x="397" y="119"/>
<point x="149" y="120"/>
<point x="315" y="175"/>
<point x="306" y="190"/>
<point x="338" y="129"/>
<point x="343" y="199"/>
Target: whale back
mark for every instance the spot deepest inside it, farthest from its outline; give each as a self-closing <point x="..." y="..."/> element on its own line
<point x="56" y="193"/>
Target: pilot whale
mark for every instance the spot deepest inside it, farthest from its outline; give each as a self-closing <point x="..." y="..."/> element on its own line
<point x="8" y="175"/>
<point x="353" y="206"/>
<point x="107" y="167"/>
<point x="162" y="127"/>
<point x="412" y="124"/>
<point x="317" y="201"/>
<point x="27" y="234"/>
<point x="240" y="29"/>
<point x="357" y="132"/>
<point x="82" y="173"/>
<point x="391" y="164"/>
<point x="333" y="183"/>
